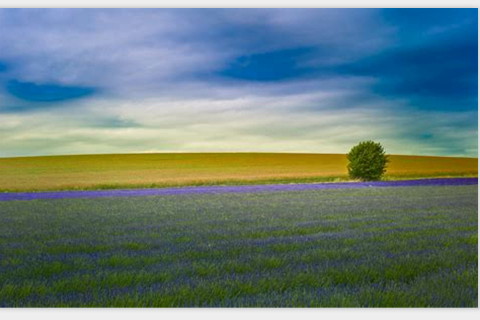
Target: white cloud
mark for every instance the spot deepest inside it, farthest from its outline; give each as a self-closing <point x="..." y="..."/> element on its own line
<point x="251" y="123"/>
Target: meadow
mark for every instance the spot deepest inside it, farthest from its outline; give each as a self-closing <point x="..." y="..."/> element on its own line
<point x="372" y="247"/>
<point x="115" y="171"/>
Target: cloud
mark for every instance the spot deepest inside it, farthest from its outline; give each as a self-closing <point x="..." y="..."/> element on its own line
<point x="139" y="51"/>
<point x="238" y="125"/>
<point x="303" y="80"/>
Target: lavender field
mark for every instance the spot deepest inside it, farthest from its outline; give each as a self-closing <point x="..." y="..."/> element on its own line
<point x="410" y="246"/>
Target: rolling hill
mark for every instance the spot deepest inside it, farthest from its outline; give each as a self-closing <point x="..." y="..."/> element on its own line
<point x="179" y="169"/>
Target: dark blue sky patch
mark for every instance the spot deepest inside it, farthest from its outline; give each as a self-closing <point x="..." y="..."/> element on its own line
<point x="438" y="71"/>
<point x="3" y="66"/>
<point x="444" y="73"/>
<point x="270" y="66"/>
<point x="426" y="136"/>
<point x="413" y="22"/>
<point x="25" y="108"/>
<point x="33" y="92"/>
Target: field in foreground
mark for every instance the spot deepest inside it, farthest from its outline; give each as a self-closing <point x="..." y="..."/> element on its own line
<point x="161" y="170"/>
<point x="408" y="246"/>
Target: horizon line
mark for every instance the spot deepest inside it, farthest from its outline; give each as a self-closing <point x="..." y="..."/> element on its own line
<point x="219" y="152"/>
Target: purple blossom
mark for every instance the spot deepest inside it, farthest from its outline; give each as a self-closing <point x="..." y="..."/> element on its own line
<point x="8" y="196"/>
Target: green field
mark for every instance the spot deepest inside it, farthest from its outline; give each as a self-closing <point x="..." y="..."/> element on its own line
<point x="373" y="247"/>
<point x="178" y="169"/>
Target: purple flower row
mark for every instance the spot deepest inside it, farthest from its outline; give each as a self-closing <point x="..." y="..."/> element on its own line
<point x="7" y="196"/>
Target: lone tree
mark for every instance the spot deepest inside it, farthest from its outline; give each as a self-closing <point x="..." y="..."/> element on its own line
<point x="367" y="161"/>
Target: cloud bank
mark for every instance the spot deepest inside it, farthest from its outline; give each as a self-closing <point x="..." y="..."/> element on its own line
<point x="274" y="80"/>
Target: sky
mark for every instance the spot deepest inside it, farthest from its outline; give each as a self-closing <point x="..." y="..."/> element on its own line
<point x="83" y="81"/>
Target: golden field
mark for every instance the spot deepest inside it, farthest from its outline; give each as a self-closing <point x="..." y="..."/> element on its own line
<point x="179" y="169"/>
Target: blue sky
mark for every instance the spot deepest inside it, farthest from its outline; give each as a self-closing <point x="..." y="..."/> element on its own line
<point x="78" y="81"/>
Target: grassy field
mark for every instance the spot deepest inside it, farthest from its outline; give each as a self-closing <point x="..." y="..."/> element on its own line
<point x="169" y="169"/>
<point x="375" y="247"/>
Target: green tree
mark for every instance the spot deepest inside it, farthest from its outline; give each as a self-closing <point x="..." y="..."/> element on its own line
<point x="367" y="161"/>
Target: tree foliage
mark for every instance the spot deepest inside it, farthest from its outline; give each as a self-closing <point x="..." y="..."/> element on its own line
<point x="367" y="161"/>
